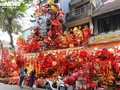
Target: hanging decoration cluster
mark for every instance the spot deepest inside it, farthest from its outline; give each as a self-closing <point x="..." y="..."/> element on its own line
<point x="47" y="32"/>
<point x="75" y="65"/>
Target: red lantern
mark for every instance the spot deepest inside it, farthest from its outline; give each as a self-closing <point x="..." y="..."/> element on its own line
<point x="70" y="80"/>
<point x="93" y="84"/>
<point x="75" y="75"/>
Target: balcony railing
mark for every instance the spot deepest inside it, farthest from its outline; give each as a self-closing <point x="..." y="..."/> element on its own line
<point x="79" y="13"/>
<point x="73" y="2"/>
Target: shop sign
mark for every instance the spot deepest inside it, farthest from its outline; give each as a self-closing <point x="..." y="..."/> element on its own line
<point x="104" y="38"/>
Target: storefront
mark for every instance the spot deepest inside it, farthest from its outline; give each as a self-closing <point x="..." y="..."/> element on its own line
<point x="107" y="18"/>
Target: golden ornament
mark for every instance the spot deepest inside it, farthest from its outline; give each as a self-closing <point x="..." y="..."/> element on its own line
<point x="50" y="2"/>
<point x="71" y="45"/>
<point x="53" y="8"/>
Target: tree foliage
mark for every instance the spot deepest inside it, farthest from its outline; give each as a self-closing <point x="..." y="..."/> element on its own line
<point x="9" y="16"/>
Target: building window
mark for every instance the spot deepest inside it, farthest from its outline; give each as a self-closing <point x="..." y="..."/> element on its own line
<point x="111" y="23"/>
<point x="104" y="25"/>
<point x="107" y="24"/>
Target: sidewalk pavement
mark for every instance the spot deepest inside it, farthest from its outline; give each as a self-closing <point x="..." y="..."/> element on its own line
<point x="16" y="87"/>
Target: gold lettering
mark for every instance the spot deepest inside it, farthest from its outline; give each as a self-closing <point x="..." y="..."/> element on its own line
<point x="105" y="38"/>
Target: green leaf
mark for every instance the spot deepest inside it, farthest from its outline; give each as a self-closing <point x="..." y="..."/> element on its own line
<point x="11" y="14"/>
<point x="9" y="10"/>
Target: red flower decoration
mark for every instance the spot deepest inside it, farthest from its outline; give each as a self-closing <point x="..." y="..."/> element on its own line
<point x="84" y="55"/>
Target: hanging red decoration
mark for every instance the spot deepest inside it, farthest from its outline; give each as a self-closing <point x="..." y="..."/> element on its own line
<point x="69" y="80"/>
<point x="44" y="9"/>
<point x="86" y="32"/>
<point x="75" y="75"/>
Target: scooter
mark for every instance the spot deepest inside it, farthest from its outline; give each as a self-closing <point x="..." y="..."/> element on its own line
<point x="50" y="85"/>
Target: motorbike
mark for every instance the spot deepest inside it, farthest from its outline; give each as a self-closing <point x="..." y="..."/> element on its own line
<point x="51" y="85"/>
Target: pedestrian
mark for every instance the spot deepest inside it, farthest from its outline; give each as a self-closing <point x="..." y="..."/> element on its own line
<point x="25" y="71"/>
<point x="21" y="75"/>
<point x="25" y="78"/>
<point x="32" y="77"/>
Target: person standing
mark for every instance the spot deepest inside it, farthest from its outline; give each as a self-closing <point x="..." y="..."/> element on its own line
<point x="32" y="77"/>
<point x="25" y="78"/>
<point x="21" y="75"/>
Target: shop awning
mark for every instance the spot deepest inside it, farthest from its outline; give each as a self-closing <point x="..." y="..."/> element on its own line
<point x="108" y="7"/>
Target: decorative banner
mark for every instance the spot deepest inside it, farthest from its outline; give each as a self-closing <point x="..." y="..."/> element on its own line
<point x="104" y="38"/>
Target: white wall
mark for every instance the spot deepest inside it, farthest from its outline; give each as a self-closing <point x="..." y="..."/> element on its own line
<point x="6" y="39"/>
